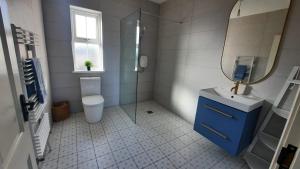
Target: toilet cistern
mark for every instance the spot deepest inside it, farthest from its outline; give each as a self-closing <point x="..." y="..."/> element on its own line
<point x="92" y="99"/>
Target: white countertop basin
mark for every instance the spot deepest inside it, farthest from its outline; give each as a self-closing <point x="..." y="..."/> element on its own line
<point x="246" y="103"/>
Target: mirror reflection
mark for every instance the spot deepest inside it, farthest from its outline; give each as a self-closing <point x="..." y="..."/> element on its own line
<point x="254" y="32"/>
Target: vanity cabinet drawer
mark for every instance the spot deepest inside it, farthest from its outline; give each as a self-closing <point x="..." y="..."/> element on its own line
<point x="219" y="138"/>
<point x="227" y="127"/>
<point x="223" y="118"/>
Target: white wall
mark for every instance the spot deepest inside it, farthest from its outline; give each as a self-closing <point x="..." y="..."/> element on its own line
<point x="28" y="15"/>
<point x="189" y="54"/>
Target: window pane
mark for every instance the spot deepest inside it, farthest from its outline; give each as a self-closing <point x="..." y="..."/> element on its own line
<point x="86" y="51"/>
<point x="95" y="56"/>
<point x="91" y="27"/>
<point x="81" y="55"/>
<point x="80" y="26"/>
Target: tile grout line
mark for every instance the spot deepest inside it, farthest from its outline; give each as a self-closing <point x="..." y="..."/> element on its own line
<point x="143" y="128"/>
<point x="93" y="146"/>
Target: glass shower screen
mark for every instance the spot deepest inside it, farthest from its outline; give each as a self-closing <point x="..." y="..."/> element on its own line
<point x="130" y="48"/>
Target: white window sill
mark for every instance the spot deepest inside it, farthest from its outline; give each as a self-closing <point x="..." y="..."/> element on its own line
<point x="88" y="72"/>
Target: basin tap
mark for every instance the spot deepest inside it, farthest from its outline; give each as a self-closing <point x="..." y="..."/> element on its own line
<point x="236" y="87"/>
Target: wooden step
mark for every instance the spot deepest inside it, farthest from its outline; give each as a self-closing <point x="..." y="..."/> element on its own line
<point x="255" y="162"/>
<point x="268" y="140"/>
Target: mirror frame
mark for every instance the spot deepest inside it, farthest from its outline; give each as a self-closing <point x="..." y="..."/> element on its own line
<point x="275" y="64"/>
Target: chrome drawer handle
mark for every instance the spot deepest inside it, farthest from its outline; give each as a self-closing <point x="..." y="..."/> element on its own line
<point x="218" y="111"/>
<point x="214" y="131"/>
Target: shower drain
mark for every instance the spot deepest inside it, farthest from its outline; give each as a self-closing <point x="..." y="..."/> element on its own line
<point x="149" y="112"/>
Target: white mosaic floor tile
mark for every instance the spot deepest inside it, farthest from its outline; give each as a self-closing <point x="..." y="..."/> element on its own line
<point x="92" y="164"/>
<point x="177" y="159"/>
<point x="125" y="132"/>
<point x="97" y="132"/>
<point x="187" y="153"/>
<point x="102" y="150"/>
<point x="169" y="136"/>
<point x="152" y="166"/>
<point x="115" y="166"/>
<point x="151" y="133"/>
<point x="164" y="164"/>
<point x="68" y="141"/>
<point x="85" y="155"/>
<point x="142" y="160"/>
<point x="99" y="140"/>
<point x="110" y="129"/>
<point x="194" y="135"/>
<point x="127" y="164"/>
<point x="148" y="144"/>
<point x="83" y="138"/>
<point x="129" y="140"/>
<point x="84" y="145"/>
<point x="135" y="149"/>
<point x="187" y="166"/>
<point x="67" y="150"/>
<point x="116" y="144"/>
<point x="67" y="161"/>
<point x="51" y="164"/>
<point x="106" y="161"/>
<point x="186" y="139"/>
<point x="73" y="167"/>
<point x="205" y="162"/>
<point x="52" y="155"/>
<point x="167" y="149"/>
<point x="121" y="155"/>
<point x="158" y="140"/>
<point x="155" y="154"/>
<point x="142" y="137"/>
<point x="177" y="144"/>
<point x="229" y="163"/>
<point x="113" y="136"/>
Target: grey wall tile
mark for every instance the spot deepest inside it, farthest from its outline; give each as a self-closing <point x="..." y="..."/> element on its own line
<point x="91" y="4"/>
<point x="63" y="80"/>
<point x="177" y="85"/>
<point x="57" y="31"/>
<point x="59" y="48"/>
<point x="76" y="106"/>
<point x="56" y="12"/>
<point x="66" y="84"/>
<point x="66" y="93"/>
<point x="61" y="64"/>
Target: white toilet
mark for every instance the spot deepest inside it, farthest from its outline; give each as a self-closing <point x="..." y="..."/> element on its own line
<point x="92" y="100"/>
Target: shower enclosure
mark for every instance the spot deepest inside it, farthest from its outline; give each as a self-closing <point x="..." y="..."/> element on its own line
<point x="139" y="38"/>
<point x="130" y="52"/>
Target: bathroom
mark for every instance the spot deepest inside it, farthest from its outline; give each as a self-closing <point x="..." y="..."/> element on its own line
<point x="153" y="64"/>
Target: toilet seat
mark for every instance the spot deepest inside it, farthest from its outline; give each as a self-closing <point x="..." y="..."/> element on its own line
<point x="92" y="100"/>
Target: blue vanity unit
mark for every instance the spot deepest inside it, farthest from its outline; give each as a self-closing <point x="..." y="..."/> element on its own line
<point x="230" y="125"/>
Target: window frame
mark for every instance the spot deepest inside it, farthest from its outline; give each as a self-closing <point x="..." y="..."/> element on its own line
<point x="98" y="41"/>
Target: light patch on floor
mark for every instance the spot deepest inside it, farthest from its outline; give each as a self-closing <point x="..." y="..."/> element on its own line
<point x="160" y="140"/>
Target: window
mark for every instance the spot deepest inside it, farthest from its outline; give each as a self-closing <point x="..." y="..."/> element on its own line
<point x="86" y="38"/>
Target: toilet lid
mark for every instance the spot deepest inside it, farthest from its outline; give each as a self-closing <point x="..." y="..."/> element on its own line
<point x="92" y="100"/>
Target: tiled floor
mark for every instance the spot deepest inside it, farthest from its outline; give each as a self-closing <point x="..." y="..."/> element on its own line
<point x="159" y="141"/>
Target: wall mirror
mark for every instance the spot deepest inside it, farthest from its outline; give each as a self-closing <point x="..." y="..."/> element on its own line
<point x="254" y="33"/>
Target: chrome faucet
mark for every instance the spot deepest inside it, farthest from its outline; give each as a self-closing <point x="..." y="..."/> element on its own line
<point x="236" y="87"/>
